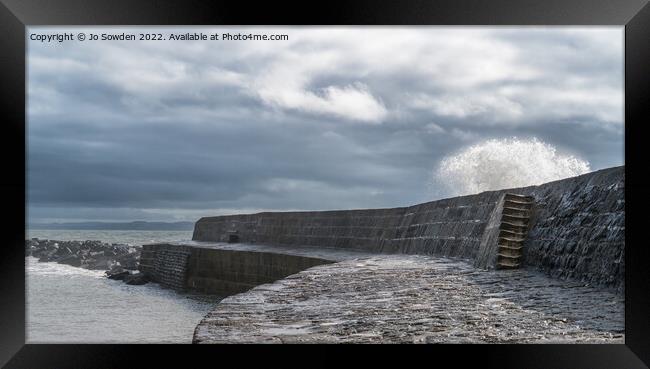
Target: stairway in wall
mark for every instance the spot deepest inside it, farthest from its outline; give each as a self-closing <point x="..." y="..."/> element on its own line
<point x="515" y="218"/>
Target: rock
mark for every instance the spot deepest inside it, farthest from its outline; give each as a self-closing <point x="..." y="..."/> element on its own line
<point x="128" y="261"/>
<point x="111" y="265"/>
<point x="131" y="265"/>
<point x="115" y="268"/>
<point x="63" y="251"/>
<point x="87" y="254"/>
<point x="46" y="256"/>
<point x="118" y="276"/>
<point x="72" y="260"/>
<point x="136" y="279"/>
<point x="100" y="264"/>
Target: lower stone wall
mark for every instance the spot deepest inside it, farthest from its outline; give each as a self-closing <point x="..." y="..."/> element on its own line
<point x="166" y="264"/>
<point x="216" y="271"/>
<point x="226" y="272"/>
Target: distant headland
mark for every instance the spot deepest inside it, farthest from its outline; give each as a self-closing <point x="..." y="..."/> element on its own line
<point x="121" y="226"/>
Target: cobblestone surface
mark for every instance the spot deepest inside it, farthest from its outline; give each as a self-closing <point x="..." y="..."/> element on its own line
<point x="415" y="299"/>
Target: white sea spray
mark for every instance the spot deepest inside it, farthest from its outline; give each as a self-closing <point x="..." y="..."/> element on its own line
<point x="504" y="163"/>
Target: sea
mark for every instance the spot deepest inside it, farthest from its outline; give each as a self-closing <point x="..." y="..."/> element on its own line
<point x="66" y="304"/>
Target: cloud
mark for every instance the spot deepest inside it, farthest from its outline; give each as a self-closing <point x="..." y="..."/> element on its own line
<point x="335" y="117"/>
<point x="500" y="108"/>
<point x="353" y="102"/>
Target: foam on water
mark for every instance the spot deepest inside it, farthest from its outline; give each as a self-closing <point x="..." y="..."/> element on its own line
<point x="504" y="163"/>
<point x="65" y="304"/>
<point x="133" y="237"/>
<point x="73" y="305"/>
<point x="32" y="266"/>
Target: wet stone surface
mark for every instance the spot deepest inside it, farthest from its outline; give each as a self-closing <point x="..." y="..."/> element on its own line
<point x="416" y="299"/>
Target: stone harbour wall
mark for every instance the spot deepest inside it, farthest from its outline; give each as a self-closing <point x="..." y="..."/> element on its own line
<point x="487" y="253"/>
<point x="450" y="227"/>
<point x="577" y="228"/>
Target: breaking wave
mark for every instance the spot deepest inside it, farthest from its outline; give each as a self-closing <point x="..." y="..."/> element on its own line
<point x="504" y="163"/>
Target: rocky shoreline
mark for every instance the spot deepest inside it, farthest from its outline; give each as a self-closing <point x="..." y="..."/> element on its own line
<point x="120" y="261"/>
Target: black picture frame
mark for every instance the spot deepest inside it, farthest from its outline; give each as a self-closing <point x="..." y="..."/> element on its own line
<point x="16" y="15"/>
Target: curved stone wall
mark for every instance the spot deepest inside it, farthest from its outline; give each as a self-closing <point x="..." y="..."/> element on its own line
<point x="450" y="227"/>
<point x="226" y="272"/>
<point x="219" y="271"/>
<point x="577" y="230"/>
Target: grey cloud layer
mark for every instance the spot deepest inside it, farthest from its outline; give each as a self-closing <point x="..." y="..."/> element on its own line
<point x="332" y="118"/>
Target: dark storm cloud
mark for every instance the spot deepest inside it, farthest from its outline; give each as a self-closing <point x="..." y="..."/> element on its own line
<point x="333" y="118"/>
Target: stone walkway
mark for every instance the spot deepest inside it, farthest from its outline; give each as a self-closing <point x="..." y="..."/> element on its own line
<point x="326" y="253"/>
<point x="415" y="299"/>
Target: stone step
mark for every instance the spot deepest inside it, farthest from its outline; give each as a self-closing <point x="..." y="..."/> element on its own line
<point x="503" y="242"/>
<point x="512" y="232"/>
<point x="512" y="239"/>
<point x="516" y="194"/>
<point x="508" y="256"/>
<point x="509" y="209"/>
<point x="507" y="265"/>
<point x="518" y="248"/>
<point x="513" y="224"/>
<point x="518" y="209"/>
<point x="503" y="255"/>
<point x="518" y="197"/>
<point x="508" y="253"/>
<point x="518" y="202"/>
<point x="516" y="228"/>
<point x="515" y="217"/>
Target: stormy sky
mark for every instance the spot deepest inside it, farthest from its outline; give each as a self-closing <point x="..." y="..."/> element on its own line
<point x="333" y="118"/>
